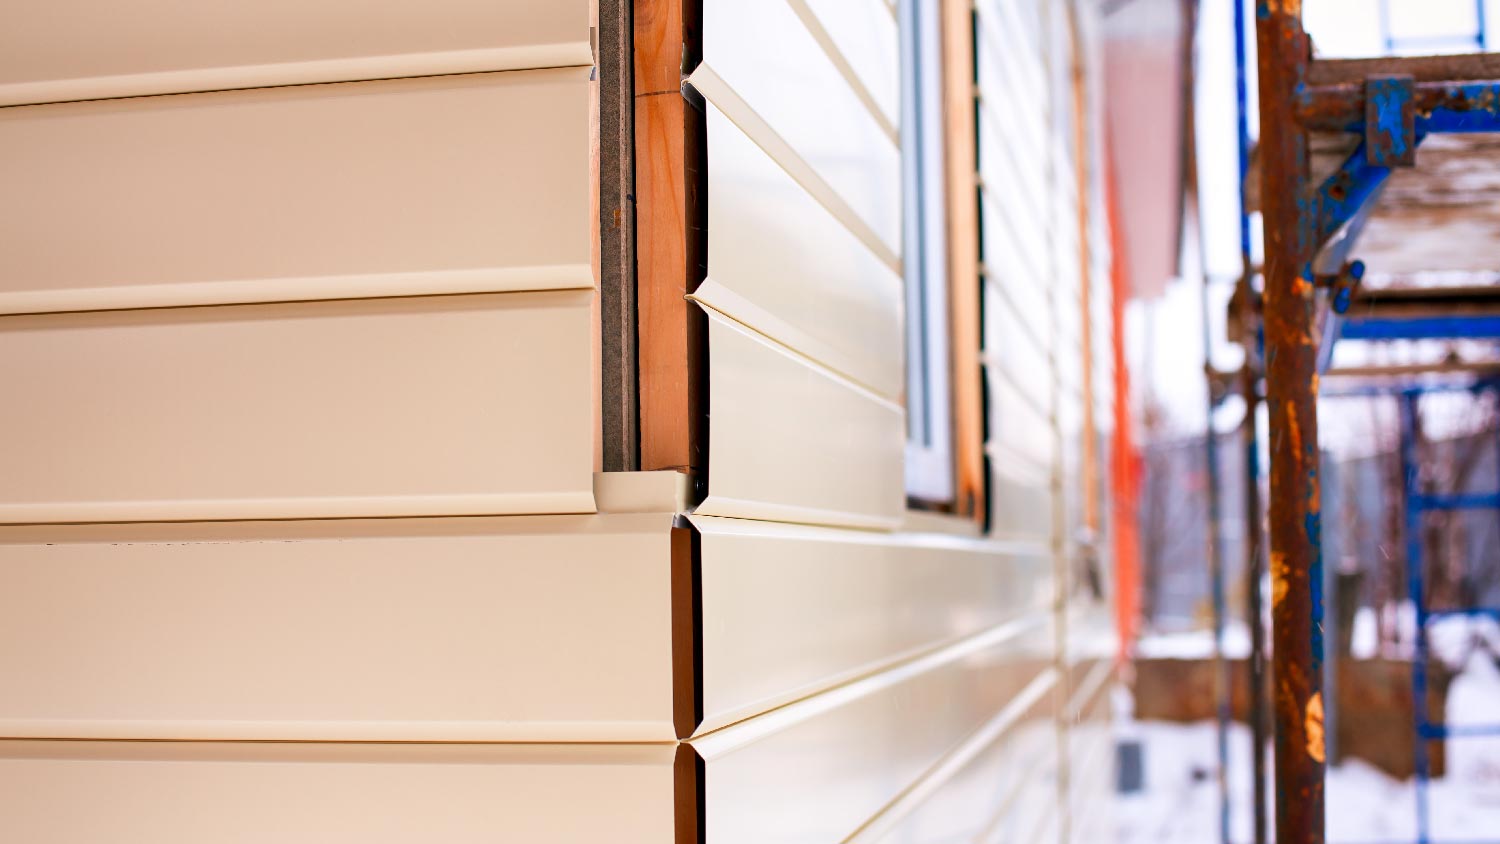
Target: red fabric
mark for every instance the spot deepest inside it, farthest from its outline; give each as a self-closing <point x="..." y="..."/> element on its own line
<point x="1125" y="460"/>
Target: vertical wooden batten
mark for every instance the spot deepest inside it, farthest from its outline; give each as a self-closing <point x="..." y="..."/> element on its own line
<point x="670" y="235"/>
<point x="1083" y="177"/>
<point x="970" y="472"/>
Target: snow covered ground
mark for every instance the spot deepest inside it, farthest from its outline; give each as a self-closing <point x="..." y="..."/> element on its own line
<point x="1180" y="802"/>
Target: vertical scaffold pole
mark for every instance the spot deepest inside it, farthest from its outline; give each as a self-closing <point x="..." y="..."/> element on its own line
<point x="1250" y="393"/>
<point x="1291" y="400"/>
<point x="1411" y="476"/>
<point x="1216" y="577"/>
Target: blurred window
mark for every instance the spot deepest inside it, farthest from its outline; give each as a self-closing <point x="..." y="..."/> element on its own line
<point x="929" y="412"/>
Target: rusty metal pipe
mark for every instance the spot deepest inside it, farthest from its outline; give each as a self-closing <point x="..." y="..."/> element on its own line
<point x="1291" y="385"/>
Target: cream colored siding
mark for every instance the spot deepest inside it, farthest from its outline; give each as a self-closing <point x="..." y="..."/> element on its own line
<point x="1034" y="358"/>
<point x="236" y="327"/>
<point x="796" y="95"/>
<point x="810" y="293"/>
<point x="386" y="407"/>
<point x="95" y="49"/>
<point x="493" y="629"/>
<point x="783" y="265"/>
<point x="791" y="441"/>
<point x="407" y="187"/>
<point x="864" y="48"/>
<point x="252" y="793"/>
<point x="791" y="610"/>
<point x="880" y="684"/>
<point x="819" y="770"/>
<point x="1020" y="269"/>
<point x="990" y="786"/>
<point x="301" y="537"/>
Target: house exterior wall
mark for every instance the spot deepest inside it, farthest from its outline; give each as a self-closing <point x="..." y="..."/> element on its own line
<point x="302" y="533"/>
<point x="247" y="312"/>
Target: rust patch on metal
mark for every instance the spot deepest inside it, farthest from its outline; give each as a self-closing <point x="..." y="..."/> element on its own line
<point x="1279" y="584"/>
<point x="1293" y="430"/>
<point x="1312" y="726"/>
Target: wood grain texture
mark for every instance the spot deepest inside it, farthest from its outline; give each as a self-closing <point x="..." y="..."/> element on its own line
<point x="669" y="257"/>
<point x="970" y="472"/>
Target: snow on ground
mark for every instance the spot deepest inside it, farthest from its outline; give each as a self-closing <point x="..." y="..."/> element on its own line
<point x="1449" y="639"/>
<point x="1195" y="644"/>
<point x="1179" y="804"/>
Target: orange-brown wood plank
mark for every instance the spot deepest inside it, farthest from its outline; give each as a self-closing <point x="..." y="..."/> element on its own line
<point x="667" y="252"/>
<point x="963" y="260"/>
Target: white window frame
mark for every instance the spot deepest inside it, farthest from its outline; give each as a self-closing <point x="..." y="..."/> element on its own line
<point x="929" y="404"/>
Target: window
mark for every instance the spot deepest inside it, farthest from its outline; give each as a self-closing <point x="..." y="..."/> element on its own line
<point x="929" y="418"/>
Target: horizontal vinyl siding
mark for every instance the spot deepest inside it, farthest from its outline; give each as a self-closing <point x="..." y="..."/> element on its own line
<point x="768" y="73"/>
<point x="517" y="629"/>
<point x="789" y="611"/>
<point x="1024" y="280"/>
<point x="981" y="800"/>
<point x="1020" y="494"/>
<point x="257" y="327"/>
<point x="865" y="34"/>
<point x="819" y="770"/>
<point x="803" y="288"/>
<point x="791" y="441"/>
<point x="92" y="49"/>
<point x="457" y="405"/>
<point x="407" y="187"/>
<point x="252" y="793"/>
<point x="782" y="264"/>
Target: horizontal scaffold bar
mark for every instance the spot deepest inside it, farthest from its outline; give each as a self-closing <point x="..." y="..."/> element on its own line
<point x="1441" y="731"/>
<point x="1440" y="107"/>
<point x="1457" y="327"/>
<point x="1458" y="501"/>
<point x="1471" y="612"/>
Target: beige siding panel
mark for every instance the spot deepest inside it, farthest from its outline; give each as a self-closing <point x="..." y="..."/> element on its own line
<point x="1020" y="496"/>
<point x="791" y="610"/>
<point x="1016" y="264"/>
<point x="975" y="796"/>
<point x="1005" y="33"/>
<point x="1092" y="766"/>
<point x="781" y="263"/>
<point x="818" y="770"/>
<point x="791" y="441"/>
<point x="94" y="49"/>
<point x="554" y="628"/>
<point x="1014" y="344"/>
<point x="1012" y="82"/>
<point x="801" y="96"/>
<point x="193" y="792"/>
<point x="865" y="34"/>
<point x="445" y="185"/>
<point x="1015" y="421"/>
<point x="437" y="405"/>
<point x="1027" y="808"/>
<point x="1009" y="157"/>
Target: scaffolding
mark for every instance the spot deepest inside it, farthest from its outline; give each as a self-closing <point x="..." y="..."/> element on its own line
<point x="1418" y="503"/>
<point x="1312" y="295"/>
